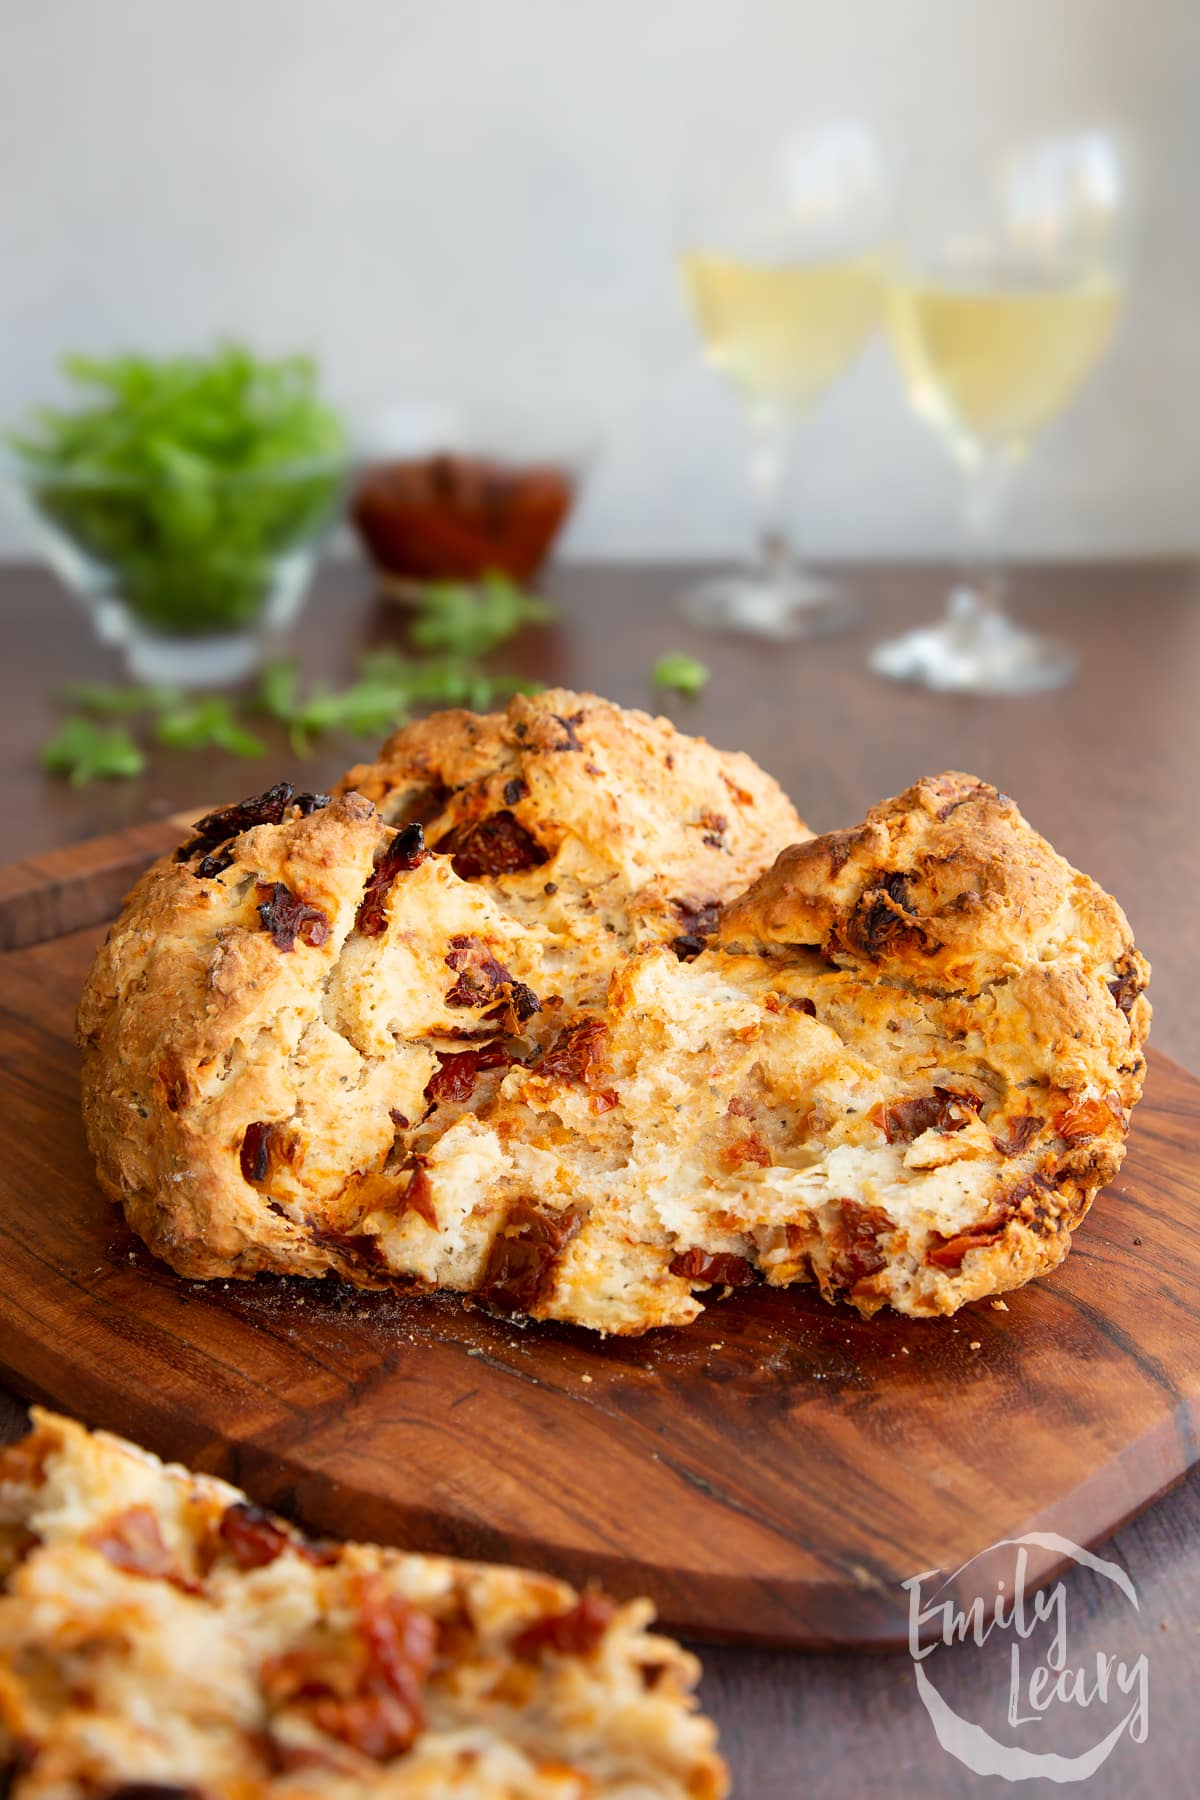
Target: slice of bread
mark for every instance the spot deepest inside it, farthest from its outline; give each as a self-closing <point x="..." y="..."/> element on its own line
<point x="160" y="1635"/>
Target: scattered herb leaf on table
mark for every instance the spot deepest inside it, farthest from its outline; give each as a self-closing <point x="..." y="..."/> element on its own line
<point x="207" y="724"/>
<point x="473" y="619"/>
<point x="680" y="672"/>
<point x="82" y="751"/>
<point x="389" y="689"/>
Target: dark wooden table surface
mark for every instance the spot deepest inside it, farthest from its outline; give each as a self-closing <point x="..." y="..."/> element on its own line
<point x="1108" y="770"/>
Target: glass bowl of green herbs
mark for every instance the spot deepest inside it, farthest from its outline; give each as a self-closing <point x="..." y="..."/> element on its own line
<point x="184" y="500"/>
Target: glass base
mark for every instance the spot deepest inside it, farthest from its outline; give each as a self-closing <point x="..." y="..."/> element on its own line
<point x="213" y="662"/>
<point x="975" y="651"/>
<point x="783" y="606"/>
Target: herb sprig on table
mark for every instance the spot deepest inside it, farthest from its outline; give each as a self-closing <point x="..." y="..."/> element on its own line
<point x="187" y="477"/>
<point x="680" y="673"/>
<point x="472" y="621"/>
<point x="82" y="750"/>
<point x="389" y="688"/>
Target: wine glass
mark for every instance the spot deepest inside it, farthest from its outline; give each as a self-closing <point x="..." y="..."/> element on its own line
<point x="781" y="233"/>
<point x="1002" y="293"/>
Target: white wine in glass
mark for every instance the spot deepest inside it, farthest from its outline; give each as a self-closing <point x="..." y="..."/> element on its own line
<point x="1003" y="295"/>
<point x="780" y="255"/>
<point x="783" y="332"/>
<point x="989" y="367"/>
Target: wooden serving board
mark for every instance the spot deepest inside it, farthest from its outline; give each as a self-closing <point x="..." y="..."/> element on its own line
<point x="771" y="1473"/>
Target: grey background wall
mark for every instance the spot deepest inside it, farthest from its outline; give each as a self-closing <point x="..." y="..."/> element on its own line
<point x="472" y="200"/>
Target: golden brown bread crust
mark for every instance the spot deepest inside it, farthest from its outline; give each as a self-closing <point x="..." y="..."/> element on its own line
<point x="946" y="925"/>
<point x="647" y="830"/>
<point x="160" y="1635"/>
<point x="198" y="1028"/>
<point x="901" y="1068"/>
<point x="946" y="884"/>
<point x="192" y="1014"/>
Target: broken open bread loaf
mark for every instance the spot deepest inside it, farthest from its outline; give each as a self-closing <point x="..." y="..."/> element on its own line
<point x="161" y="1636"/>
<point x="489" y="1022"/>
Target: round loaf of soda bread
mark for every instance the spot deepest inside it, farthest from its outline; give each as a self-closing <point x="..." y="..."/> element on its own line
<point x="564" y="1009"/>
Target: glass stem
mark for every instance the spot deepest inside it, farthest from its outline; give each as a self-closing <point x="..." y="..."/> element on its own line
<point x="768" y="466"/>
<point x="980" y="592"/>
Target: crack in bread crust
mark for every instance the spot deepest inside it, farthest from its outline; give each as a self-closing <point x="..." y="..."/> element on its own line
<point x="899" y="1061"/>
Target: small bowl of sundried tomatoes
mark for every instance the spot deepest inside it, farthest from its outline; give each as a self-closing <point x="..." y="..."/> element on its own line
<point x="461" y="508"/>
